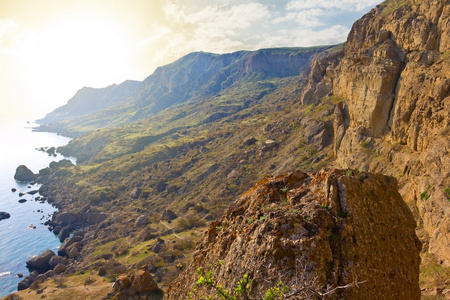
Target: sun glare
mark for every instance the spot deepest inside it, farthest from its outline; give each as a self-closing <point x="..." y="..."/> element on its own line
<point x="88" y="47"/>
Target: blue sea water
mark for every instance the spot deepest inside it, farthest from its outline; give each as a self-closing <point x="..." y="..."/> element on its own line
<point x="19" y="242"/>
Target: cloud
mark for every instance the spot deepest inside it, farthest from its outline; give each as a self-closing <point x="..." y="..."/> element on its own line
<point x="307" y="18"/>
<point x="345" y="5"/>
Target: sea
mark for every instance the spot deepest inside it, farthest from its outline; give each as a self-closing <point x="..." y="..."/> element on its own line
<point x="23" y="234"/>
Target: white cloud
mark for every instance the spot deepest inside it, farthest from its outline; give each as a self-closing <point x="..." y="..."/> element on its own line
<point x="345" y="5"/>
<point x="306" y="18"/>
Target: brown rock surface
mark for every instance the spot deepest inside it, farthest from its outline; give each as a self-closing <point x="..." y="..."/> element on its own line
<point x="394" y="84"/>
<point x="311" y="232"/>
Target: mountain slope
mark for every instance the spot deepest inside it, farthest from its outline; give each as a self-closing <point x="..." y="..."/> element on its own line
<point x="89" y="100"/>
<point x="194" y="77"/>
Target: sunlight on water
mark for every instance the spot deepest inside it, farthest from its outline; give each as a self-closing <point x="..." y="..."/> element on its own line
<point x="19" y="241"/>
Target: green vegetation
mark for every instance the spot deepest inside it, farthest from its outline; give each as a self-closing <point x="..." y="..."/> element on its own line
<point x="276" y="293"/>
<point x="424" y="195"/>
<point x="447" y="192"/>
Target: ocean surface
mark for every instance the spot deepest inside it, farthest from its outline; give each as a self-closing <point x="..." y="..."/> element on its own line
<point x="19" y="242"/>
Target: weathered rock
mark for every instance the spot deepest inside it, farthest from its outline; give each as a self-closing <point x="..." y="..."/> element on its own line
<point x="27" y="281"/>
<point x="392" y="79"/>
<point x="23" y="174"/>
<point x="250" y="141"/>
<point x="309" y="231"/>
<point x="64" y="234"/>
<point x="41" y="278"/>
<point x="55" y="260"/>
<point x="73" y="252"/>
<point x="135" y="193"/>
<point x="141" y="221"/>
<point x="159" y="244"/>
<point x="168" y="216"/>
<point x="59" y="268"/>
<point x="270" y="144"/>
<point x="4" y="215"/>
<point x="122" y="282"/>
<point x="65" y="247"/>
<point x="143" y="282"/>
<point x="41" y="261"/>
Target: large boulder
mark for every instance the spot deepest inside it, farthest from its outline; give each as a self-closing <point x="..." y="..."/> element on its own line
<point x="68" y="244"/>
<point x="23" y="174"/>
<point x="168" y="216"/>
<point x="41" y="262"/>
<point x="4" y="215"/>
<point x="345" y="233"/>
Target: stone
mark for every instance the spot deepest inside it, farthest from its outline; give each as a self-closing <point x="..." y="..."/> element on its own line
<point x="4" y="215"/>
<point x="40" y="262"/>
<point x="41" y="277"/>
<point x="65" y="247"/>
<point x="143" y="282"/>
<point x="122" y="282"/>
<point x="141" y="221"/>
<point x="73" y="252"/>
<point x="135" y="193"/>
<point x="250" y="141"/>
<point x="13" y="190"/>
<point x="55" y="260"/>
<point x="269" y="144"/>
<point x="64" y="233"/>
<point x="59" y="268"/>
<point x="168" y="216"/>
<point x="23" y="174"/>
<point x="159" y="244"/>
<point x="233" y="174"/>
<point x="22" y="200"/>
<point x="299" y="242"/>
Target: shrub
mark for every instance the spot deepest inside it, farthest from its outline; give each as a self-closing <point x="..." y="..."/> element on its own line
<point x="424" y="195"/>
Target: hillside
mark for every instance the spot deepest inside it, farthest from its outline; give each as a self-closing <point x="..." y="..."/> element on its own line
<point x="195" y="77"/>
<point x="187" y="146"/>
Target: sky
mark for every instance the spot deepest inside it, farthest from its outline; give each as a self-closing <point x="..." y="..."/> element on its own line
<point x="49" y="49"/>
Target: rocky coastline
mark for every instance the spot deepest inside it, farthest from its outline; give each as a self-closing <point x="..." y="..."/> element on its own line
<point x="48" y="263"/>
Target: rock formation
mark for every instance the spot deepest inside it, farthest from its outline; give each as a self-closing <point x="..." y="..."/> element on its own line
<point x="4" y="215"/>
<point x="393" y="83"/>
<point x="313" y="233"/>
<point x="24" y="174"/>
<point x="41" y="262"/>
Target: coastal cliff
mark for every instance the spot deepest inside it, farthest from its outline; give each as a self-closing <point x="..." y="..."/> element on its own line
<point x="392" y="80"/>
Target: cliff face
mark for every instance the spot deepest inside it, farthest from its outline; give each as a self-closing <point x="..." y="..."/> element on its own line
<point x="312" y="233"/>
<point x="393" y="79"/>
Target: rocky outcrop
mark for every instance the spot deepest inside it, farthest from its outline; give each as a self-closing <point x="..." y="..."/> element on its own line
<point x="392" y="83"/>
<point x="23" y="174"/>
<point x="138" y="284"/>
<point x="41" y="262"/>
<point x="312" y="233"/>
<point x="4" y="215"/>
